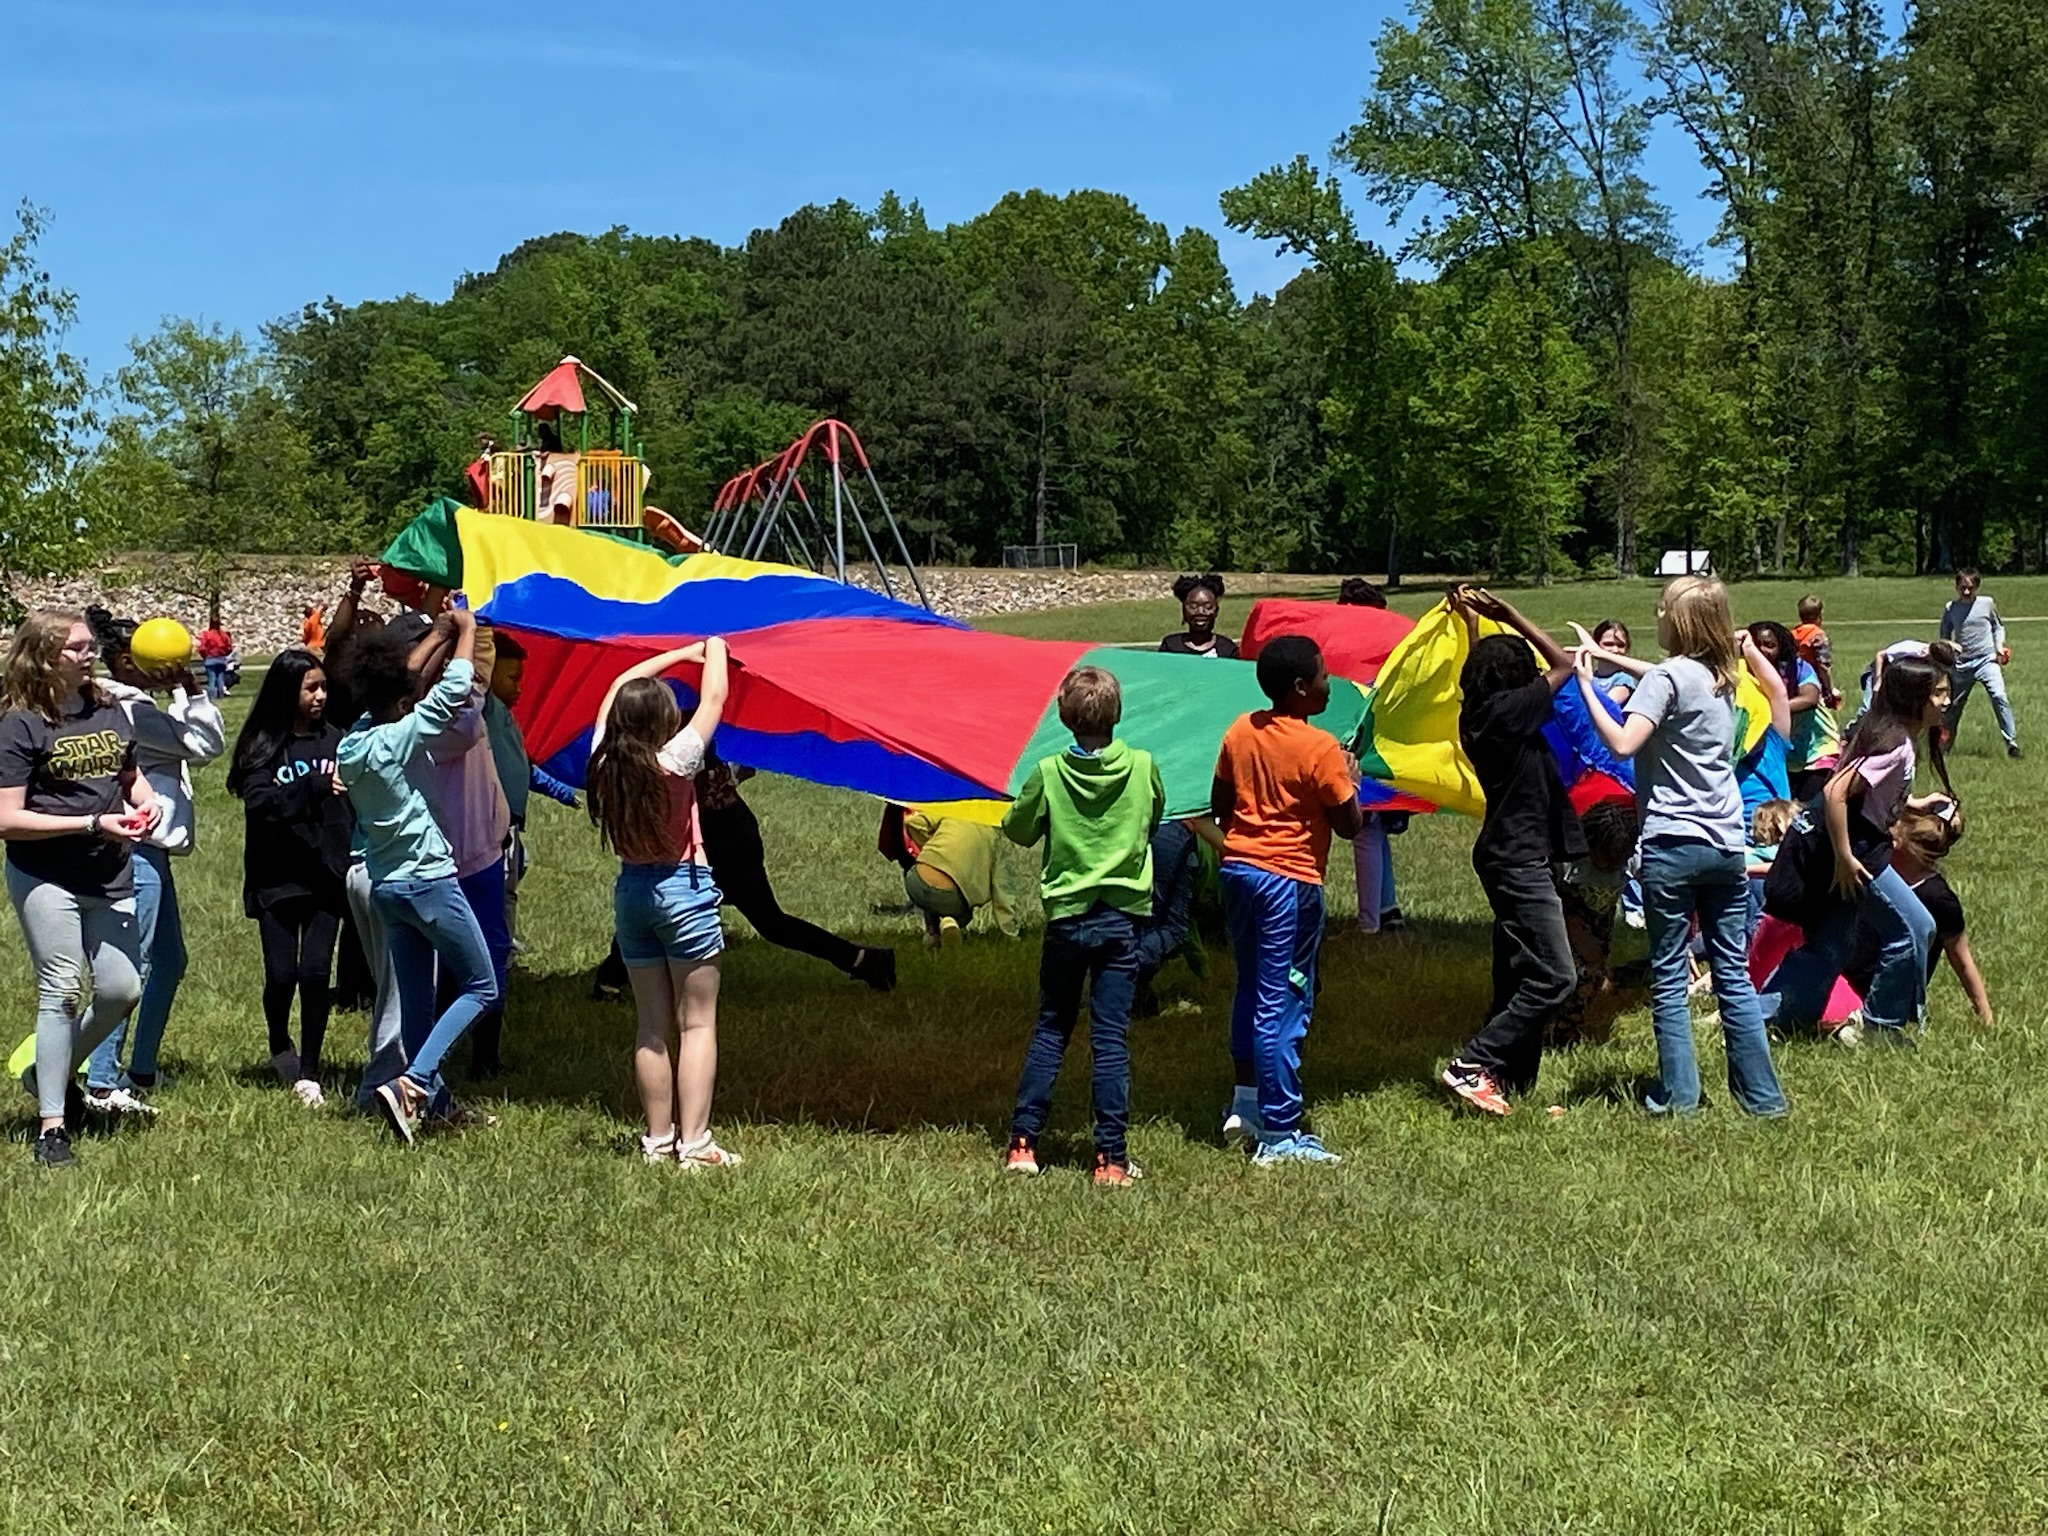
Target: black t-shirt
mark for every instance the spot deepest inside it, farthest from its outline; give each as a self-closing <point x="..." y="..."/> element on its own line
<point x="1941" y="905"/>
<point x="1177" y="645"/>
<point x="72" y="768"/>
<point x="1529" y="820"/>
<point x="297" y="827"/>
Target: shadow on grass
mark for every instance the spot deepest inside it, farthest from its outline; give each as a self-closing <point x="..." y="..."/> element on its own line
<point x="801" y="1044"/>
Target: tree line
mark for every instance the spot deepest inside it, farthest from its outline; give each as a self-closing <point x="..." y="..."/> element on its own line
<point x="1533" y="380"/>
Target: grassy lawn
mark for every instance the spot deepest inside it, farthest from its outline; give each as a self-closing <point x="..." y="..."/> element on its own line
<point x="247" y="1318"/>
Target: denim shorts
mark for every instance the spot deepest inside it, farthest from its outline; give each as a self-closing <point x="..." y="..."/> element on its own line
<point x="665" y="912"/>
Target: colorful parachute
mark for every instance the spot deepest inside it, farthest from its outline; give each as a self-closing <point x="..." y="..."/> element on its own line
<point x="834" y="684"/>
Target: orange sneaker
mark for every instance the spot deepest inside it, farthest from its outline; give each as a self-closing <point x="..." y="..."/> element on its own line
<point x="1114" y="1175"/>
<point x="1022" y="1157"/>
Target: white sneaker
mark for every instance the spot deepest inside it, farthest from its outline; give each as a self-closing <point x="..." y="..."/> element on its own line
<point x="706" y="1154"/>
<point x="116" y="1101"/>
<point x="658" y="1149"/>
<point x="309" y="1093"/>
<point x="1241" y="1120"/>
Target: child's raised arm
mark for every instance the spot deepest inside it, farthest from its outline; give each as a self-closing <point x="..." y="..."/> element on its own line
<point x="1624" y="737"/>
<point x="654" y="666"/>
<point x="1482" y="602"/>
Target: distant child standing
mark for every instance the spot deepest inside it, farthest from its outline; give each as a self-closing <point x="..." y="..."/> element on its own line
<point x="1282" y="786"/>
<point x="1529" y="826"/>
<point x="1680" y="726"/>
<point x="1096" y="806"/>
<point x="294" y="857"/>
<point x="1815" y="649"/>
<point x="644" y="762"/>
<point x="1973" y="624"/>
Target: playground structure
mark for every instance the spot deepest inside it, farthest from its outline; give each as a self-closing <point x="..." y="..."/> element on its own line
<point x="609" y="494"/>
<point x="782" y="503"/>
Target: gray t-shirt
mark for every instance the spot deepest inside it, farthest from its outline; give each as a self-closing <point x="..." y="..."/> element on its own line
<point x="1685" y="774"/>
<point x="1975" y="628"/>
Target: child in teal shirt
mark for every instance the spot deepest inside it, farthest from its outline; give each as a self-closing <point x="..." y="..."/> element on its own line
<point x="384" y="765"/>
<point x="1096" y="806"/>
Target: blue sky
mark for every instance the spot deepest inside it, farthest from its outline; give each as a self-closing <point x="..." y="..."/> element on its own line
<point x="235" y="161"/>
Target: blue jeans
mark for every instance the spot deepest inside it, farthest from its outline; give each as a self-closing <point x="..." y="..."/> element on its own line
<point x="387" y="1033"/>
<point x="1176" y="866"/>
<point x="1276" y="930"/>
<point x="425" y="919"/>
<point x="216" y="676"/>
<point x="160" y="931"/>
<point x="1798" y="992"/>
<point x="485" y="893"/>
<point x="1681" y="877"/>
<point x="1099" y="950"/>
<point x="1372" y="861"/>
<point x="1966" y="676"/>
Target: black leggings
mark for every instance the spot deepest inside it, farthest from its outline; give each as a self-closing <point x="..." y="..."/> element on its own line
<point x="732" y="845"/>
<point x="298" y="936"/>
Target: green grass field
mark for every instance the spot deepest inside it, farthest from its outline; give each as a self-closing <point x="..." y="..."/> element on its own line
<point x="248" y="1318"/>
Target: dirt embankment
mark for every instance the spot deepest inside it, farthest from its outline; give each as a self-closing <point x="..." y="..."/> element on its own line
<point x="266" y="597"/>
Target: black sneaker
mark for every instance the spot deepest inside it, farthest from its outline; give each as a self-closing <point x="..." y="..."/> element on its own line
<point x="2013" y="750"/>
<point x="53" y="1149"/>
<point x="1391" y="921"/>
<point x="876" y="967"/>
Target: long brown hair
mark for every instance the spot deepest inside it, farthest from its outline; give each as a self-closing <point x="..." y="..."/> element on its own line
<point x="1896" y="714"/>
<point x="628" y="787"/>
<point x="1703" y="628"/>
<point x="32" y="680"/>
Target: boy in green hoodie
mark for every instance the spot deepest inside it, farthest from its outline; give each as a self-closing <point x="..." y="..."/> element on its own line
<point x="1096" y="805"/>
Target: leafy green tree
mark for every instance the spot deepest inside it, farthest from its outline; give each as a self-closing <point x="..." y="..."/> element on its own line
<point x="45" y="415"/>
<point x="1513" y="117"/>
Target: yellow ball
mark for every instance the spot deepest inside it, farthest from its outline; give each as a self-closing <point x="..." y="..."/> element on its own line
<point x="160" y="643"/>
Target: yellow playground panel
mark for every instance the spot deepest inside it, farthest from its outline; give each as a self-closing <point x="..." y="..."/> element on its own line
<point x="553" y="426"/>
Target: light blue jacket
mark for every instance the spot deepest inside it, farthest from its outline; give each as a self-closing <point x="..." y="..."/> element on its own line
<point x="390" y="782"/>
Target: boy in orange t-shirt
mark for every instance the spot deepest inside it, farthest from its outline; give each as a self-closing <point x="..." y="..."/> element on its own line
<point x="1282" y="787"/>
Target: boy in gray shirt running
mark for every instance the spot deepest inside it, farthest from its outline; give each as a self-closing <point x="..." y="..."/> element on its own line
<point x="1972" y="622"/>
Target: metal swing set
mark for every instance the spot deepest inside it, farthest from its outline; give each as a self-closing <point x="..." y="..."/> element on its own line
<point x="781" y="503"/>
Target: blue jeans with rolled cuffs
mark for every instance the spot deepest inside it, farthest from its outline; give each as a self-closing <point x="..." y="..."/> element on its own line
<point x="1682" y="877"/>
<point x="425" y="920"/>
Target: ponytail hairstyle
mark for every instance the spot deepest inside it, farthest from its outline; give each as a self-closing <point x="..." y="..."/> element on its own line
<point x="1787" y="664"/>
<point x="271" y="718"/>
<point x="32" y="681"/>
<point x="1928" y="835"/>
<point x="629" y="794"/>
<point x="1895" y="715"/>
<point x="1702" y="627"/>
